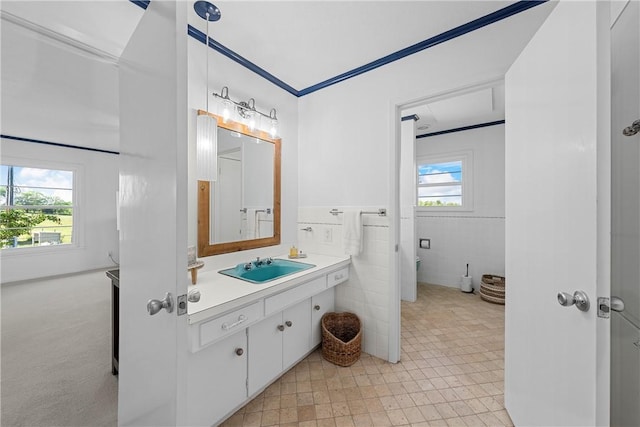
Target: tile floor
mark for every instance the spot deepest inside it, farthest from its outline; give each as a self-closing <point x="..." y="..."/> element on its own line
<point x="451" y="374"/>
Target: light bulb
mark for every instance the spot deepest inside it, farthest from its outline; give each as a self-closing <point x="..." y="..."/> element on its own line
<point x="274" y="128"/>
<point x="252" y="121"/>
<point x="226" y="110"/>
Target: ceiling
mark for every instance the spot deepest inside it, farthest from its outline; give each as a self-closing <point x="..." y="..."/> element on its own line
<point x="300" y="42"/>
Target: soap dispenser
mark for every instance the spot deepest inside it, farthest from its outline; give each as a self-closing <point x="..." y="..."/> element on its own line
<point x="293" y="252"/>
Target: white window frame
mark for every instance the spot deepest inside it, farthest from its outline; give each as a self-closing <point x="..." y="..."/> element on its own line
<point x="466" y="157"/>
<point x="78" y="216"/>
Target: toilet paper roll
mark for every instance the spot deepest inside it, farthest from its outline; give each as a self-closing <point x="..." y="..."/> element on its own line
<point x="466" y="284"/>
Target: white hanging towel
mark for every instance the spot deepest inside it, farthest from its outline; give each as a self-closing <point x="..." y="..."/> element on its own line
<point x="352" y="232"/>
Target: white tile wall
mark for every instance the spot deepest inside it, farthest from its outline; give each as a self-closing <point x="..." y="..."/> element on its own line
<point x="456" y="241"/>
<point x="367" y="291"/>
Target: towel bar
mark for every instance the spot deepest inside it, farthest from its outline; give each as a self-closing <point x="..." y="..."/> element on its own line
<point x="381" y="212"/>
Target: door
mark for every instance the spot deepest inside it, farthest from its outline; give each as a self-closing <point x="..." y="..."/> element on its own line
<point x="297" y="337"/>
<point x="153" y="218"/>
<point x="408" y="238"/>
<point x="217" y="391"/>
<point x="625" y="198"/>
<point x="228" y="188"/>
<point x="558" y="220"/>
<point x="265" y="351"/>
<point x="320" y="304"/>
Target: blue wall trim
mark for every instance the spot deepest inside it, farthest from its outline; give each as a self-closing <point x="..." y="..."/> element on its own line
<point x="496" y="16"/>
<point x="57" y="144"/>
<point x="411" y="117"/>
<point x="461" y="30"/>
<point x="142" y="3"/>
<point x="213" y="44"/>
<point x="480" y="125"/>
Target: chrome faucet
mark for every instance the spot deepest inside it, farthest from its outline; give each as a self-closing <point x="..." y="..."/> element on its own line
<point x="247" y="266"/>
<point x="258" y="262"/>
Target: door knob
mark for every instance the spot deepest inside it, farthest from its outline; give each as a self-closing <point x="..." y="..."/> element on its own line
<point x="288" y="323"/>
<point x="579" y="298"/>
<point x="239" y="351"/>
<point x="193" y="295"/>
<point x="616" y="304"/>
<point x="281" y="328"/>
<point x="155" y="305"/>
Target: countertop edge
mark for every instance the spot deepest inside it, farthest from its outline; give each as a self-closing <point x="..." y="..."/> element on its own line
<point x="286" y="284"/>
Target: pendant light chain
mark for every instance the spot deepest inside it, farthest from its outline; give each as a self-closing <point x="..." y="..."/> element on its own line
<point x="207" y="59"/>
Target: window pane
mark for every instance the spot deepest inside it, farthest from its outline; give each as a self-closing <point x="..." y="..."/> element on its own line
<point x="433" y="173"/>
<point x="30" y="196"/>
<point x="34" y="177"/>
<point x="37" y="207"/>
<point x="449" y="195"/>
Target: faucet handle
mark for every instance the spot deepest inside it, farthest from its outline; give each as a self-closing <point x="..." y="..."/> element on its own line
<point x="269" y="260"/>
<point x="247" y="266"/>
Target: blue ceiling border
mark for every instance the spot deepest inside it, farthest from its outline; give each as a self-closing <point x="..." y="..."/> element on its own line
<point x="461" y="30"/>
<point x="57" y="144"/>
<point x="460" y="129"/>
<point x="213" y="44"/>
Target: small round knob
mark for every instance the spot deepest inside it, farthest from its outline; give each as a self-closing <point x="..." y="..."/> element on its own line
<point x="239" y="351"/>
<point x="288" y="323"/>
<point x="316" y="307"/>
<point x="281" y="328"/>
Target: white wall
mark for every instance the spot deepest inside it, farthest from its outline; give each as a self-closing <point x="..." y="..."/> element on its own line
<point x="366" y="291"/>
<point x="54" y="92"/>
<point x="96" y="215"/>
<point x="347" y="131"/>
<point x="475" y="237"/>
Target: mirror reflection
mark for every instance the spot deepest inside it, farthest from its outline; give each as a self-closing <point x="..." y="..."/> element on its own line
<point x="242" y="198"/>
<point x="241" y="210"/>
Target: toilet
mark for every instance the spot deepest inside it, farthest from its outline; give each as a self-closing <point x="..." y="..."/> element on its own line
<point x="417" y="263"/>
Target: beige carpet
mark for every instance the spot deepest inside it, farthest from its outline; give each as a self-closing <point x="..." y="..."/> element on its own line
<point x="56" y="353"/>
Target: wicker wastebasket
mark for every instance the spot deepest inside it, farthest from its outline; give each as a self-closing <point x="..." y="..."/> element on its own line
<point x="341" y="338"/>
<point x="493" y="288"/>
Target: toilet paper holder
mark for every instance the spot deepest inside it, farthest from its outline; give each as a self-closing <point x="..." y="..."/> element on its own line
<point x="425" y="243"/>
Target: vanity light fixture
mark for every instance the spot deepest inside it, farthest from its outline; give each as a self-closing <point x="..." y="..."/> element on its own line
<point x="247" y="112"/>
<point x="207" y="126"/>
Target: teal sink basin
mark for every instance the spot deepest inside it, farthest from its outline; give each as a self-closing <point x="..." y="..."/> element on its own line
<point x="251" y="272"/>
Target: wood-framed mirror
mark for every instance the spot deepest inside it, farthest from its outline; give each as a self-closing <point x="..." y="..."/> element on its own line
<point x="241" y="210"/>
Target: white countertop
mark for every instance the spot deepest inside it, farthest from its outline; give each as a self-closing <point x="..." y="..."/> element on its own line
<point x="220" y="293"/>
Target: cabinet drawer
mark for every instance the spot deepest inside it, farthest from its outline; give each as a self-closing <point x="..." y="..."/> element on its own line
<point x="338" y="277"/>
<point x="231" y="322"/>
<point x="286" y="298"/>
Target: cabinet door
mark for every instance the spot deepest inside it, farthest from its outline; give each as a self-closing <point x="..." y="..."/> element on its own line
<point x="265" y="352"/>
<point x="217" y="380"/>
<point x="320" y="304"/>
<point x="297" y="334"/>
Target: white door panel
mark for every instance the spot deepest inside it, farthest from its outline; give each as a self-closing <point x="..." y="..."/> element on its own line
<point x="625" y="233"/>
<point x="556" y="110"/>
<point x="153" y="220"/>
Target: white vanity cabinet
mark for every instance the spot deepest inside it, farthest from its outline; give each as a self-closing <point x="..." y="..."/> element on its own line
<point x="320" y="304"/>
<point x="277" y="342"/>
<point x="217" y="382"/>
<point x="236" y="353"/>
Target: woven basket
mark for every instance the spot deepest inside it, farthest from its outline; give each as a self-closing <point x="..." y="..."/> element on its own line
<point x="341" y="338"/>
<point x="493" y="288"/>
<point x="490" y="279"/>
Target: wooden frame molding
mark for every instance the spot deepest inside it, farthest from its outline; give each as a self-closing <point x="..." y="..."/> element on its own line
<point x="204" y="202"/>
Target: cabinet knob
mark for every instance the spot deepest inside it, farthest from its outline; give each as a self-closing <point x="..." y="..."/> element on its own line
<point x="239" y="351"/>
<point x="316" y="307"/>
<point x="281" y="328"/>
<point x="288" y="323"/>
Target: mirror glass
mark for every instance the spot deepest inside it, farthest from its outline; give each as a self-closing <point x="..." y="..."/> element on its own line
<point x="241" y="210"/>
